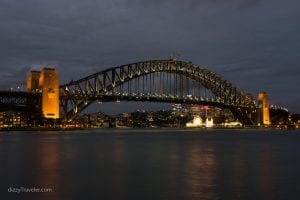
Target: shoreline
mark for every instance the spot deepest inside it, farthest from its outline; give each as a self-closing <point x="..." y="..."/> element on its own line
<point x="113" y="128"/>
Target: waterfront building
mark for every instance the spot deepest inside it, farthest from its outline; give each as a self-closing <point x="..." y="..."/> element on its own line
<point x="232" y="124"/>
<point x="11" y="119"/>
<point x="197" y="122"/>
<point x="209" y="122"/>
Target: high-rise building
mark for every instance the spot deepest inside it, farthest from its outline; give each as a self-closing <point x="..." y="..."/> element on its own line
<point x="33" y="81"/>
<point x="263" y="109"/>
<point x="49" y="85"/>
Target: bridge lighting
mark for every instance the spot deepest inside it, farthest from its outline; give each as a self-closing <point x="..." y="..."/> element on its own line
<point x="179" y="71"/>
<point x="75" y="109"/>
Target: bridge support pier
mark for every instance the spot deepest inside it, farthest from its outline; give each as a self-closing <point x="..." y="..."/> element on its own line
<point x="245" y="116"/>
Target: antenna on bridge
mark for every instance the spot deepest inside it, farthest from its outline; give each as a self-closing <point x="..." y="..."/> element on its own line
<point x="174" y="56"/>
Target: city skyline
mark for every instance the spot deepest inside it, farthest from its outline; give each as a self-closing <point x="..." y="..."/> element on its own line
<point x="253" y="44"/>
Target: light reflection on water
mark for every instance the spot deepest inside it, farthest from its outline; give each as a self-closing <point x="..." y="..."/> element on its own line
<point x="152" y="164"/>
<point x="200" y="171"/>
<point x="47" y="165"/>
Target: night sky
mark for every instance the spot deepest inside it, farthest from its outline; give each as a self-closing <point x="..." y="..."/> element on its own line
<point x="255" y="44"/>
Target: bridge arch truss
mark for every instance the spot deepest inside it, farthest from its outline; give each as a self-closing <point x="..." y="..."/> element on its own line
<point x="156" y="80"/>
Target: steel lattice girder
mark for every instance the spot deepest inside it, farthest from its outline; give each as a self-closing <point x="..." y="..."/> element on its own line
<point x="102" y="82"/>
<point x="18" y="98"/>
<point x="19" y="101"/>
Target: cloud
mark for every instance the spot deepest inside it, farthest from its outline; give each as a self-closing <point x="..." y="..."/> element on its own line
<point x="195" y="3"/>
<point x="241" y="39"/>
<point x="16" y="75"/>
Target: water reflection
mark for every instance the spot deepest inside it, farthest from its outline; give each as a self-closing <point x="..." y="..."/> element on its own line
<point x="200" y="171"/>
<point x="118" y="169"/>
<point x="47" y="166"/>
<point x="151" y="166"/>
<point x="264" y="176"/>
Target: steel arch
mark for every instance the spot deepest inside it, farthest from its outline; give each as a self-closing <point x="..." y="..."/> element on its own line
<point x="81" y="93"/>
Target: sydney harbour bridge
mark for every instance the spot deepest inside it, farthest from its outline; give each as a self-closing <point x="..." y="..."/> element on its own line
<point x="169" y="81"/>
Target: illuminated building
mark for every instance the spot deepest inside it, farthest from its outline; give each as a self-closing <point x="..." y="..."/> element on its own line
<point x="263" y="109"/>
<point x="209" y="122"/>
<point x="233" y="124"/>
<point x="33" y="81"/>
<point x="12" y="119"/>
<point x="197" y="122"/>
<point x="49" y="85"/>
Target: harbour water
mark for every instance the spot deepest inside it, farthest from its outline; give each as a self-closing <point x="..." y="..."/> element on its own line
<point x="151" y="164"/>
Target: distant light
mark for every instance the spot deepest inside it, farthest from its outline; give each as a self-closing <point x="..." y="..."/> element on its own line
<point x="209" y="122"/>
<point x="205" y="107"/>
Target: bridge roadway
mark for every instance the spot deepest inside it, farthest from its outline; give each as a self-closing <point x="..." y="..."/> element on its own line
<point x="149" y="97"/>
<point x="19" y="101"/>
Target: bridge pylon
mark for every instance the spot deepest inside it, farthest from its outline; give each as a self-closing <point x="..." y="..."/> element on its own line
<point x="263" y="109"/>
<point x="46" y="82"/>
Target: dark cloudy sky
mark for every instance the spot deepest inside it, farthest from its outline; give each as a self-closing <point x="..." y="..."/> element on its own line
<point x="253" y="43"/>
